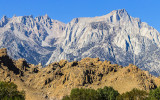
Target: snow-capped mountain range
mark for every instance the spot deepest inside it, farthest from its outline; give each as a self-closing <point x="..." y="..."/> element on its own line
<point x="116" y="37"/>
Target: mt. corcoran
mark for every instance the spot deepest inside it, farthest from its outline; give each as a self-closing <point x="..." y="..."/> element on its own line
<point x="116" y="37"/>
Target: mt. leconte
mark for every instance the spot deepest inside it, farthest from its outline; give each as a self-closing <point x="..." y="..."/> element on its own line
<point x="116" y="37"/>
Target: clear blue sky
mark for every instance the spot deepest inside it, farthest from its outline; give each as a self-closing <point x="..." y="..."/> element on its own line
<point x="65" y="10"/>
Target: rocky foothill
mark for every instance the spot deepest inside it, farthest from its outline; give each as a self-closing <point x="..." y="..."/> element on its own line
<point x="57" y="79"/>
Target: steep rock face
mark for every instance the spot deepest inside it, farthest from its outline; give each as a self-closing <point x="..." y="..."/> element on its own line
<point x="30" y="38"/>
<point x="117" y="37"/>
<point x="17" y="71"/>
<point x="6" y="61"/>
<point x="92" y="73"/>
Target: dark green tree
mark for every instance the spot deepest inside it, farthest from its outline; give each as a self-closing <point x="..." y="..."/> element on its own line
<point x="134" y="94"/>
<point x="8" y="91"/>
<point x="107" y="93"/>
<point x="84" y="94"/>
<point x="66" y="98"/>
<point x="154" y="94"/>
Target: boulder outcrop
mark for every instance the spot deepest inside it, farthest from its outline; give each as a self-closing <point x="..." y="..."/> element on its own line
<point x="57" y="79"/>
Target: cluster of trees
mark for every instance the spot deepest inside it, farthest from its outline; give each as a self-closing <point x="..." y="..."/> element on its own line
<point x="135" y="94"/>
<point x="108" y="93"/>
<point x="154" y="94"/>
<point x="8" y="91"/>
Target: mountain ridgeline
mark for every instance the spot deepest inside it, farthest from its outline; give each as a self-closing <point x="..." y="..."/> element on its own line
<point x="116" y="37"/>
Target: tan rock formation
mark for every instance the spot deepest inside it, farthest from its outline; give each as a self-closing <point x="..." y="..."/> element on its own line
<point x="57" y="79"/>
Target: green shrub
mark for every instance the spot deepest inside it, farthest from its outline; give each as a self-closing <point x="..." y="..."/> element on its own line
<point x="8" y="91"/>
<point x="83" y="94"/>
<point x="135" y="94"/>
<point x="66" y="98"/>
<point x="154" y="94"/>
<point x="107" y="93"/>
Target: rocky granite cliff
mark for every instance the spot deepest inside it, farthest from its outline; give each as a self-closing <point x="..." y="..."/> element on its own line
<point x="30" y="38"/>
<point x="116" y="37"/>
<point x="57" y="79"/>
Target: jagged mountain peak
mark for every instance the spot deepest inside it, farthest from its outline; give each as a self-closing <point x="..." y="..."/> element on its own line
<point x="22" y="19"/>
<point x="4" y="21"/>
<point x="4" y="18"/>
<point x="45" y="17"/>
<point x="26" y="17"/>
<point x="117" y="16"/>
<point x="120" y="12"/>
